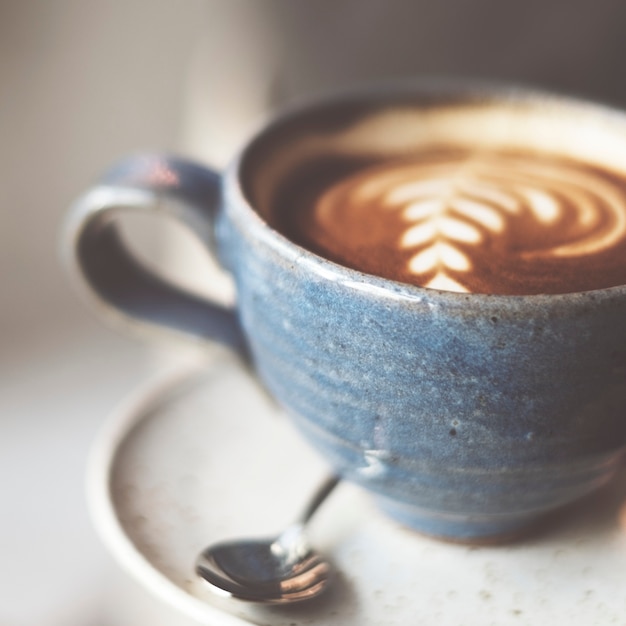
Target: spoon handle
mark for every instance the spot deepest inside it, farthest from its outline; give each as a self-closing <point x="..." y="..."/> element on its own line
<point x="322" y="493"/>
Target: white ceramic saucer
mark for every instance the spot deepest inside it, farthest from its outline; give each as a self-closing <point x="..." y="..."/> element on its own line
<point x="202" y="454"/>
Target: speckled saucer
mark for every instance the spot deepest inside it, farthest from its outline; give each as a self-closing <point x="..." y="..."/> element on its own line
<point x="201" y="454"/>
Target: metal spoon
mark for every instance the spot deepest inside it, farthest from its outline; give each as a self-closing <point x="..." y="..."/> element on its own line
<point x="280" y="570"/>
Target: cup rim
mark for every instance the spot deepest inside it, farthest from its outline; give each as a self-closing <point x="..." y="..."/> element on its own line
<point x="241" y="210"/>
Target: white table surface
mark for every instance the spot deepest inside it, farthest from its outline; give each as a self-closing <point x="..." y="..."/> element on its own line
<point x="55" y="391"/>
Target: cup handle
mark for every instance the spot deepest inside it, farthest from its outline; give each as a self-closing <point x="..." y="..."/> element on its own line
<point x="114" y="280"/>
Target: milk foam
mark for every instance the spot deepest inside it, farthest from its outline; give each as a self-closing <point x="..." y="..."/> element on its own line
<point x="451" y="204"/>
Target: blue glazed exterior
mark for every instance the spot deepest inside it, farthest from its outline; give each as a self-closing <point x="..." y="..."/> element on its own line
<point x="469" y="416"/>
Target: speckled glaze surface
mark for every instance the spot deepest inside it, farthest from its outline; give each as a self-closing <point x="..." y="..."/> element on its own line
<point x="468" y="416"/>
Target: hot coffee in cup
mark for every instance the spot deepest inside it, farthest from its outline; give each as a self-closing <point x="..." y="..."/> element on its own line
<point x="495" y="213"/>
<point x="479" y="222"/>
<point x="430" y="280"/>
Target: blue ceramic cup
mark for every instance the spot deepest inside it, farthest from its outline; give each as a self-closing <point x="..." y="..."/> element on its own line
<point x="468" y="416"/>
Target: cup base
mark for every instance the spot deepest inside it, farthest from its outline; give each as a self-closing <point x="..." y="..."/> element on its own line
<point x="464" y="529"/>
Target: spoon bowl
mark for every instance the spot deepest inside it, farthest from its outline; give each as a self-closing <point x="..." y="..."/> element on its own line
<point x="278" y="570"/>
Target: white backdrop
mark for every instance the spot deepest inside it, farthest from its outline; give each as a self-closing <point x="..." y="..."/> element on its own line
<point x="81" y="83"/>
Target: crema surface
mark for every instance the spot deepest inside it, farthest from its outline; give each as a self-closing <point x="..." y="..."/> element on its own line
<point x="480" y="221"/>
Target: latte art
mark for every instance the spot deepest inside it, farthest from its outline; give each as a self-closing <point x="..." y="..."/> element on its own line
<point x="485" y="222"/>
<point x="449" y="206"/>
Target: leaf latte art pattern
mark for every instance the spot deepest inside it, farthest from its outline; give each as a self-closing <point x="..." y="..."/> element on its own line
<point x="455" y="221"/>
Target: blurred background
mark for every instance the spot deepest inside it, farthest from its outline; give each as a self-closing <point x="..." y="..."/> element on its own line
<point x="84" y="82"/>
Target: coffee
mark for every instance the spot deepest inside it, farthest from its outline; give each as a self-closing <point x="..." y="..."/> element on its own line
<point x="470" y="221"/>
<point x="508" y="195"/>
